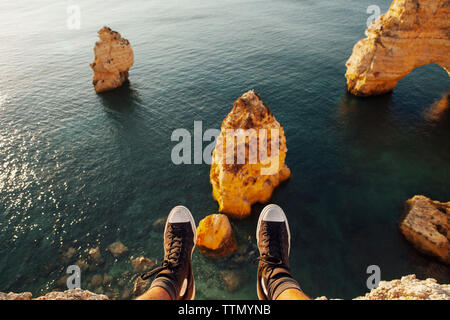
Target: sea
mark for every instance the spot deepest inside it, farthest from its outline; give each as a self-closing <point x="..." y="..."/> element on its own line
<point x="83" y="170"/>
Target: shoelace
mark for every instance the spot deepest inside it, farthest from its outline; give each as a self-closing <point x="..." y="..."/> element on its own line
<point x="174" y="251"/>
<point x="271" y="260"/>
<point x="270" y="235"/>
<point x="269" y="263"/>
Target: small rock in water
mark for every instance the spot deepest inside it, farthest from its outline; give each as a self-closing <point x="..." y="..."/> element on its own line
<point x="69" y="255"/>
<point x="95" y="255"/>
<point x="159" y="224"/>
<point x="96" y="280"/>
<point x="83" y="265"/>
<point x="117" y="249"/>
<point x="106" y="279"/>
<point x="215" y="237"/>
<point x="142" y="264"/>
<point x="231" y="280"/>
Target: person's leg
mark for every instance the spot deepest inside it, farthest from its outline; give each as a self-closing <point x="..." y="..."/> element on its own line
<point x="293" y="294"/>
<point x="274" y="280"/>
<point x="155" y="293"/>
<point x="174" y="278"/>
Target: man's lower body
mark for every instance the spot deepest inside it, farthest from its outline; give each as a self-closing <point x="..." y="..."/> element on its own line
<point x="174" y="279"/>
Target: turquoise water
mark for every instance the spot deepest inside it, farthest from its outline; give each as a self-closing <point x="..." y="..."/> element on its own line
<point x="84" y="170"/>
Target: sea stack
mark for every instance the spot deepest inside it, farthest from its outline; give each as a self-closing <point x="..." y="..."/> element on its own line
<point x="412" y="33"/>
<point x="113" y="58"/>
<point x="248" y="161"/>
<point x="425" y="223"/>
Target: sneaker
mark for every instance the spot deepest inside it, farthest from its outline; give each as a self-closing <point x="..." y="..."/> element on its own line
<point x="175" y="275"/>
<point x="274" y="244"/>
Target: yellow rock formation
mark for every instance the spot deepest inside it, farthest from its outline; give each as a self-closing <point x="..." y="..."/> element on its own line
<point x="248" y="160"/>
<point x="411" y="34"/>
<point x="425" y="224"/>
<point x="113" y="58"/>
<point x="215" y="236"/>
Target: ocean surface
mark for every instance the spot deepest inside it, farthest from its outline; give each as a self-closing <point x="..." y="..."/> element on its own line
<point x="80" y="169"/>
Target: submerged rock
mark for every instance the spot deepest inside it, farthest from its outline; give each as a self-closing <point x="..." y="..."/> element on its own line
<point x="248" y="159"/>
<point x="96" y="280"/>
<point x="411" y="34"/>
<point x="95" y="255"/>
<point x="142" y="264"/>
<point x="69" y="255"/>
<point x="425" y="224"/>
<point x="232" y="280"/>
<point x="117" y="249"/>
<point x="215" y="237"/>
<point x="107" y="279"/>
<point x="113" y="58"/>
<point x="82" y="264"/>
<point x="159" y="224"/>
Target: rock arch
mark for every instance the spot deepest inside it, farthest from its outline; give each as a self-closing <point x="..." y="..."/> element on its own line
<point x="413" y="33"/>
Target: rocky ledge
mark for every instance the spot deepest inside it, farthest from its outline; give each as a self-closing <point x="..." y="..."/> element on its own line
<point x="75" y="294"/>
<point x="407" y="288"/>
<point x="425" y="223"/>
<point x="113" y="58"/>
<point x="411" y="34"/>
<point x="246" y="165"/>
